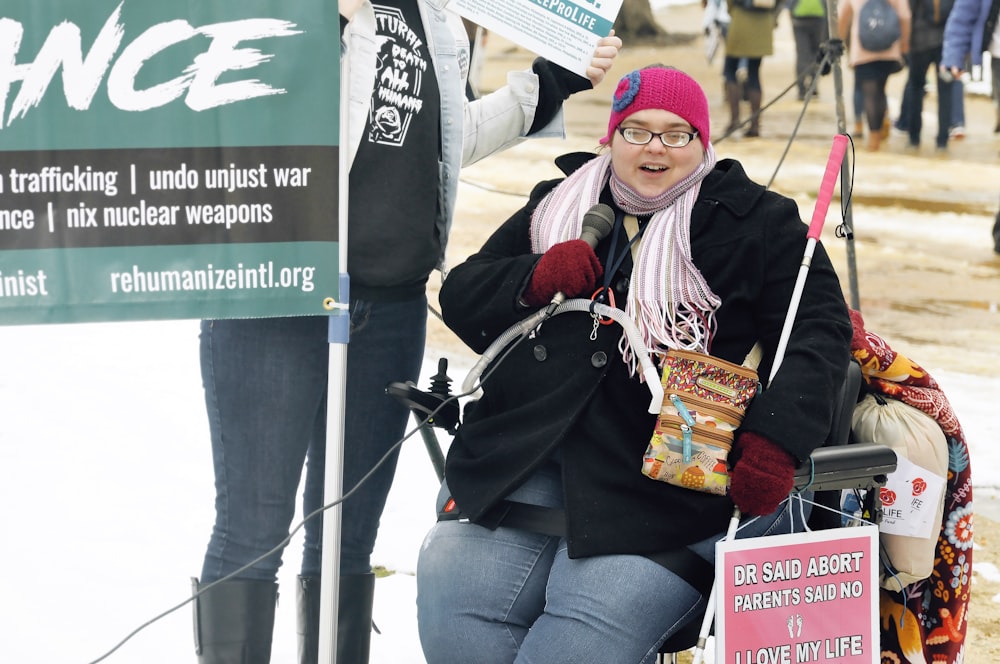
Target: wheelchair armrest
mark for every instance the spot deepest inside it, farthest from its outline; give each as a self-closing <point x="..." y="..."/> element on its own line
<point x="425" y="403"/>
<point x="854" y="466"/>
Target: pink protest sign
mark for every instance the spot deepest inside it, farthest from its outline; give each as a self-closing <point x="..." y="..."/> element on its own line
<point x="805" y="597"/>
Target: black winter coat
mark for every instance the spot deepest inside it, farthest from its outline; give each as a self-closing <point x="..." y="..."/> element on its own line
<point x="562" y="395"/>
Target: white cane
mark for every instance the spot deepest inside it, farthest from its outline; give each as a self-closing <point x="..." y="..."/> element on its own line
<point x="823" y="198"/>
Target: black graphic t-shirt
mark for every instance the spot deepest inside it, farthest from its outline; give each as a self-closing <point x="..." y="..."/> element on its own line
<point x="393" y="244"/>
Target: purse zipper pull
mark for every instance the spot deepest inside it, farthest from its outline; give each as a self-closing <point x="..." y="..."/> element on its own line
<point x="685" y="428"/>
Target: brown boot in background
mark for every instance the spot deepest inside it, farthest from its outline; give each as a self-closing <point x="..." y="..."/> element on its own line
<point x="733" y="98"/>
<point x="874" y="141"/>
<point x="755" y="99"/>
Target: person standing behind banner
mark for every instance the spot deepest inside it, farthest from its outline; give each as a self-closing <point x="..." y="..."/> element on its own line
<point x="404" y="65"/>
<point x="973" y="28"/>
<point x="750" y="38"/>
<point x="872" y="69"/>
<point x="554" y="546"/>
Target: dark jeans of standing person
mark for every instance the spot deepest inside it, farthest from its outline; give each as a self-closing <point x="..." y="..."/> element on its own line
<point x="810" y="32"/>
<point x="956" y="128"/>
<point x="902" y="122"/>
<point x="266" y="393"/>
<point x="913" y="99"/>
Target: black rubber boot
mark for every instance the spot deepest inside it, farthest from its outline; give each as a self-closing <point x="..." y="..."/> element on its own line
<point x="354" y="618"/>
<point x="234" y="622"/>
<point x="307" y="611"/>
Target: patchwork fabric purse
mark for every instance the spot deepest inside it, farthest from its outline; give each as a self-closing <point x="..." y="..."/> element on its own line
<point x="704" y="400"/>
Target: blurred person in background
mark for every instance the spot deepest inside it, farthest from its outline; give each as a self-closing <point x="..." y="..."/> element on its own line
<point x="750" y="38"/>
<point x="811" y="30"/>
<point x="972" y="28"/>
<point x="926" y="37"/>
<point x="872" y="69"/>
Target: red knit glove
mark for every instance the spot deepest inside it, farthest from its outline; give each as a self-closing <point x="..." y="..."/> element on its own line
<point x="763" y="476"/>
<point x="570" y="268"/>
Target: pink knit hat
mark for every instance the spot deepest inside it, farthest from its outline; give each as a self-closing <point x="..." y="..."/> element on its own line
<point x="660" y="87"/>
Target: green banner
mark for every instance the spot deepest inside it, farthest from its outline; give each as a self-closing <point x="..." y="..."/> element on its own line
<point x="168" y="160"/>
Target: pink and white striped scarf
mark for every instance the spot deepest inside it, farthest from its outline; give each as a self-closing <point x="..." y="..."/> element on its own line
<point x="668" y="298"/>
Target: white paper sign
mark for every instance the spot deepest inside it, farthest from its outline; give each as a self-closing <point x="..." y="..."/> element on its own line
<point x="910" y="500"/>
<point x="562" y="31"/>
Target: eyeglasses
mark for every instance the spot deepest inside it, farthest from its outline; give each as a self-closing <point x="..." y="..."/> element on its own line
<point x="671" y="139"/>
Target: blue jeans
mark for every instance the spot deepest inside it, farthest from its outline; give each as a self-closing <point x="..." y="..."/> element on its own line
<point x="913" y="96"/>
<point x="266" y="391"/>
<point x="957" y="104"/>
<point x="509" y="595"/>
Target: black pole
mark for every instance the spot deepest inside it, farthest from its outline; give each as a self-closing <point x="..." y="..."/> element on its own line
<point x="836" y="51"/>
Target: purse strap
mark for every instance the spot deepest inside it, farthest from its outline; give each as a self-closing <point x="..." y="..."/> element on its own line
<point x="631" y="223"/>
<point x="753" y="358"/>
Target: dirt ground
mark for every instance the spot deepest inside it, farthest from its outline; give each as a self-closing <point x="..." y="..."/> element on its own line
<point x="920" y="264"/>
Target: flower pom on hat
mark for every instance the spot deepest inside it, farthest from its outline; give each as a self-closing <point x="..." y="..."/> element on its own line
<point x="660" y="87"/>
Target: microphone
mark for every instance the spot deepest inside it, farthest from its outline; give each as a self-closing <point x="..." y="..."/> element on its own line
<point x="596" y="225"/>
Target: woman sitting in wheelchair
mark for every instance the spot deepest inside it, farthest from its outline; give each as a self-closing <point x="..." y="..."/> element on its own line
<point x="699" y="258"/>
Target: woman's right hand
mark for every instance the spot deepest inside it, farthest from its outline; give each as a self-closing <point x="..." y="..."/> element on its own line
<point x="571" y="268"/>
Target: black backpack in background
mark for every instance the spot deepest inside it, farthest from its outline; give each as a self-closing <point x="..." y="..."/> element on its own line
<point x="878" y="25"/>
